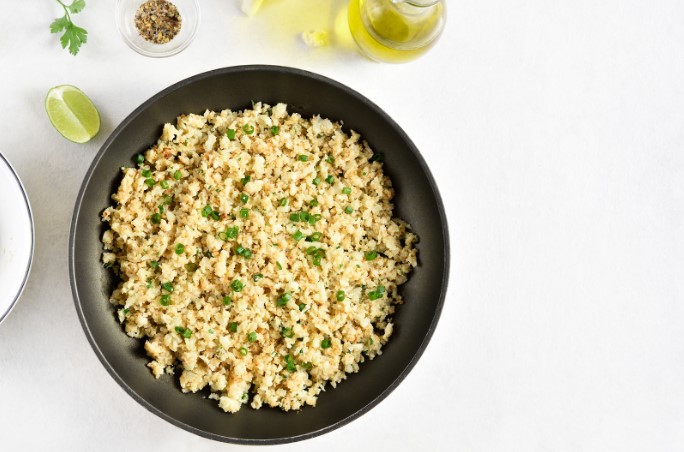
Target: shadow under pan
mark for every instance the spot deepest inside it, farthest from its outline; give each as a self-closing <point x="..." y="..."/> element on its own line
<point x="417" y="201"/>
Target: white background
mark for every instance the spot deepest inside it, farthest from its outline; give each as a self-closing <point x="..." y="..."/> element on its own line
<point x="555" y="131"/>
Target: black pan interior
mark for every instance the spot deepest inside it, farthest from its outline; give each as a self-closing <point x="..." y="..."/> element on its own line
<point x="417" y="201"/>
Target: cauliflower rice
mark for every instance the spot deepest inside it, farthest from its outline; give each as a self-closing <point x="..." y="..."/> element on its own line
<point x="258" y="254"/>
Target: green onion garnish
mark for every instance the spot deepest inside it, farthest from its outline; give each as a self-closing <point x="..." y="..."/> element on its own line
<point x="177" y="175"/>
<point x="139" y="159"/>
<point x="302" y="306"/>
<point x="315" y="237"/>
<point x="164" y="184"/>
<point x="248" y="129"/>
<point x="295" y="217"/>
<point x="146" y="173"/>
<point x="325" y="343"/>
<point x="150" y="182"/>
<point x="287" y="332"/>
<point x="244" y="198"/>
<point x="167" y="286"/>
<point x="313" y="202"/>
<point x="165" y="300"/>
<point x="282" y="202"/>
<point x="257" y="277"/>
<point x="237" y="285"/>
<point x="330" y="180"/>
<point x="377" y="157"/>
<point x="245" y="180"/>
<point x="180" y="248"/>
<point x="371" y="255"/>
<point x="275" y="130"/>
<point x="230" y="133"/>
<point x="303" y="158"/>
<point x="316" y="181"/>
<point x="330" y="159"/>
<point x="243" y="351"/>
<point x="214" y="215"/>
<point x="340" y="295"/>
<point x="227" y="301"/>
<point x="252" y="336"/>
<point x="206" y="211"/>
<point x="167" y="200"/>
<point x="244" y="213"/>
<point x="298" y="235"/>
<point x="156" y="218"/>
<point x="233" y="326"/>
<point x="284" y="298"/>
<point x="154" y="264"/>
<point x="348" y="210"/>
<point x="280" y="267"/>
<point x="316" y="260"/>
<point x="346" y="190"/>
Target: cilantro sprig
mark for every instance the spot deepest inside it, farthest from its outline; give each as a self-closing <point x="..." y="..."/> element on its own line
<point x="73" y="36"/>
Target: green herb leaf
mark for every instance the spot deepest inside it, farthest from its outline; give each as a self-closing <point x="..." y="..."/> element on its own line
<point x="77" y="6"/>
<point x="59" y="25"/>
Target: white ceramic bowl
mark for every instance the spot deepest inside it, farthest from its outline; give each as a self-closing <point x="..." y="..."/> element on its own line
<point x="16" y="237"/>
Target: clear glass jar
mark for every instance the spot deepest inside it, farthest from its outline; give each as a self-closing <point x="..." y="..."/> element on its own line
<point x="396" y="31"/>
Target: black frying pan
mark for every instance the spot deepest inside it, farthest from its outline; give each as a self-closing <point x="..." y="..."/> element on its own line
<point x="417" y="201"/>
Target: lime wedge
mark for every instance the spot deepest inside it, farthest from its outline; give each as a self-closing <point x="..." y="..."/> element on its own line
<point x="72" y="113"/>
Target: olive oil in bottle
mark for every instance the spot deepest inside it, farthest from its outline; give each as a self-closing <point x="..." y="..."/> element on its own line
<point x="396" y="31"/>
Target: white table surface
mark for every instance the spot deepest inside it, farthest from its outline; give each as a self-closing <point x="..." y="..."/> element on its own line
<point x="555" y="131"/>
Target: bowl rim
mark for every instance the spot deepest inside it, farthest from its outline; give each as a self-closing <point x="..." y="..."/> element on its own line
<point x="5" y="315"/>
<point x="278" y="70"/>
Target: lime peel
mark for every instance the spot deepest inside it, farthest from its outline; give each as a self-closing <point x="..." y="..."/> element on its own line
<point x="72" y="113"/>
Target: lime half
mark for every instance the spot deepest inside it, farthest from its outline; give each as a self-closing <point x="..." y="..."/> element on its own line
<point x="72" y="113"/>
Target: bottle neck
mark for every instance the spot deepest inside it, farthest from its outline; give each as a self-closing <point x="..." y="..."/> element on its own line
<point x="418" y="3"/>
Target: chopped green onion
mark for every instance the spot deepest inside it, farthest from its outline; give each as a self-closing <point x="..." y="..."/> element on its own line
<point x="191" y="266"/>
<point x="226" y="300"/>
<point x="298" y="235"/>
<point x="280" y="267"/>
<point x="239" y="250"/>
<point x="313" y="202"/>
<point x="290" y="365"/>
<point x="377" y="157"/>
<point x="167" y="200"/>
<point x="167" y="286"/>
<point x="282" y="202"/>
<point x="252" y="336"/>
<point x="233" y="326"/>
<point x="305" y="216"/>
<point x="275" y="130"/>
<point x="164" y="184"/>
<point x="348" y="210"/>
<point x="210" y="331"/>
<point x="311" y="250"/>
<point x="165" y="300"/>
<point x="149" y="284"/>
<point x="302" y="306"/>
<point x="222" y="236"/>
<point x="330" y="159"/>
<point x="154" y="264"/>
<point x="139" y="159"/>
<point x="294" y="217"/>
<point x="180" y="248"/>
<point x="185" y="332"/>
<point x="346" y="190"/>
<point x="287" y="332"/>
<point x="146" y="173"/>
<point x="248" y="129"/>
<point x="257" y="277"/>
<point x="244" y="213"/>
<point x="330" y="180"/>
<point x="315" y="237"/>
<point x="156" y="218"/>
<point x="214" y="215"/>
<point x="340" y="295"/>
<point x="244" y="198"/>
<point x="317" y="260"/>
<point x="243" y="351"/>
<point x="313" y="219"/>
<point x="177" y="175"/>
<point x="325" y="343"/>
<point x="371" y="255"/>
<point x="245" y="180"/>
<point x="206" y="211"/>
<point x="284" y="298"/>
<point x="237" y="285"/>
<point x="232" y="232"/>
<point x="230" y="133"/>
<point x="316" y="181"/>
<point x="307" y="365"/>
<point x="247" y="254"/>
<point x="303" y="158"/>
